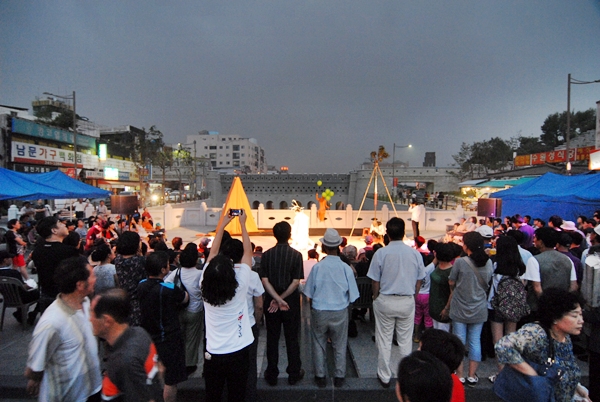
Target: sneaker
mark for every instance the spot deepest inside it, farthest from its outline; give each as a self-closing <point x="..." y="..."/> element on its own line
<point x="295" y="379"/>
<point x="338" y="382"/>
<point x="462" y="380"/>
<point x="492" y="378"/>
<point x="383" y="383"/>
<point x="472" y="381"/>
<point x="321" y="382"/>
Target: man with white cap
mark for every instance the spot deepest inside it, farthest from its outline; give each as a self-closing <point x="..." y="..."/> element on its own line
<point x="397" y="271"/>
<point x="331" y="287"/>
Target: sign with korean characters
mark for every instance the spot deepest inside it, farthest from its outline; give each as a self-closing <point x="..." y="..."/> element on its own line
<point x="23" y="152"/>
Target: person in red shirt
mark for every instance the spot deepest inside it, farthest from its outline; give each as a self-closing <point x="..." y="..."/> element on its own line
<point x="450" y="350"/>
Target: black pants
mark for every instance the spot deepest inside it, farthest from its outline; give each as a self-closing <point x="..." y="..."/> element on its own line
<point x="291" y="329"/>
<point x="415" y="227"/>
<point x="594" y="375"/>
<point x="229" y="369"/>
<point x="252" y="374"/>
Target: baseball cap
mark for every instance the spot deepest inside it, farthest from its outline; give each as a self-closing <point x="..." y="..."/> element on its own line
<point x="485" y="231"/>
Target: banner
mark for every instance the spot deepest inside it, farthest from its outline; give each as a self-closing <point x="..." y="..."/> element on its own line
<point x="576" y="154"/>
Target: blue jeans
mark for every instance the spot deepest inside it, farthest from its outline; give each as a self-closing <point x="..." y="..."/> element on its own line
<point x="470" y="335"/>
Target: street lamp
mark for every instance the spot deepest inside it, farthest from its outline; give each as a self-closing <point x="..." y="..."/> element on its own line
<point x="394" y="166"/>
<point x="576" y="82"/>
<point x="72" y="97"/>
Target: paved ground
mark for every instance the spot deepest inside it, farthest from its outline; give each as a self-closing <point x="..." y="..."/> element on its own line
<point x="361" y="383"/>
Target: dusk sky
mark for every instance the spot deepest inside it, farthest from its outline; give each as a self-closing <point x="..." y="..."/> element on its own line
<point x="319" y="84"/>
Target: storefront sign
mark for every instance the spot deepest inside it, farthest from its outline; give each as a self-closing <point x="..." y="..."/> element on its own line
<point x="50" y="133"/>
<point x="34" y="168"/>
<point x="560" y="156"/>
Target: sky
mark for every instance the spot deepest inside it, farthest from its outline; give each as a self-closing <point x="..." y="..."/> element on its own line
<point x="321" y="83"/>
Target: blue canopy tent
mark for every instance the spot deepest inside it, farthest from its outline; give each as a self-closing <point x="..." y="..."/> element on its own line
<point x="553" y="194"/>
<point x="52" y="185"/>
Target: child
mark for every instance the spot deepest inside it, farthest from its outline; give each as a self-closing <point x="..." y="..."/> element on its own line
<point x="450" y="350"/>
<point x="422" y="305"/>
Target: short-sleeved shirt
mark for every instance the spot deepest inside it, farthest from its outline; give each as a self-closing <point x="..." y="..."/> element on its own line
<point x="131" y="368"/>
<point x="397" y="268"/>
<point x="228" y="326"/>
<point x="469" y="299"/>
<point x="439" y="292"/>
<point x="532" y="271"/>
<point x="331" y="285"/>
<point x="281" y="265"/>
<point x="426" y="283"/>
<point x="130" y="271"/>
<point x="255" y="289"/>
<point x="191" y="280"/>
<point x="64" y="347"/>
<point x="158" y="306"/>
<point x="46" y="257"/>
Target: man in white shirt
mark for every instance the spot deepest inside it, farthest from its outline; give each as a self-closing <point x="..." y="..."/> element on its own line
<point x="417" y="216"/>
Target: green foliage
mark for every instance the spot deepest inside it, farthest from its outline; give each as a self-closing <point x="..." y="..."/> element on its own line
<point x="554" y="128"/>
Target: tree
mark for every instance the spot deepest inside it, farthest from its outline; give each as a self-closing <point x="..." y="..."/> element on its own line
<point x="528" y="145"/>
<point x="143" y="148"/>
<point x="483" y="156"/>
<point x="182" y="161"/>
<point x="554" y="128"/>
<point x="164" y="160"/>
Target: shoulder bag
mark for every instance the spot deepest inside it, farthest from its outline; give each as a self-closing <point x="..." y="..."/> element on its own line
<point x="514" y="386"/>
<point x="485" y="286"/>
<point x="179" y="284"/>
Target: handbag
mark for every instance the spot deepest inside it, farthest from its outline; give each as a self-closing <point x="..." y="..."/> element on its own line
<point x="179" y="284"/>
<point x="513" y="386"/>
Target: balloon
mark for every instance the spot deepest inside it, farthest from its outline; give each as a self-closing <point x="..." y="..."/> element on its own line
<point x="319" y="183"/>
<point x="332" y="193"/>
<point x="328" y="198"/>
<point x="324" y="194"/>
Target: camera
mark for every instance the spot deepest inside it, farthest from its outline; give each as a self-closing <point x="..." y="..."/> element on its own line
<point x="235" y="212"/>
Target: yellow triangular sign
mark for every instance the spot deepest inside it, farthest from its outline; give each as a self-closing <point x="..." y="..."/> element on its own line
<point x="237" y="199"/>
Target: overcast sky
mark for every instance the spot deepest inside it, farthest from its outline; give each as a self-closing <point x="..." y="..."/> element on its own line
<point x="320" y="84"/>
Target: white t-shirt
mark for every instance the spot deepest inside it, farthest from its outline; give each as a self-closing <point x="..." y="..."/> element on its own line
<point x="532" y="272"/>
<point x="191" y="280"/>
<point x="228" y="326"/>
<point x="255" y="289"/>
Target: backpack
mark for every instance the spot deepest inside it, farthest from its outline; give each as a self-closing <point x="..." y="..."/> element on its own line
<point x="510" y="299"/>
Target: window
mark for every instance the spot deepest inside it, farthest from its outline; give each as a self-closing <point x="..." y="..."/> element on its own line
<point x="245" y="155"/>
<point x="243" y="148"/>
<point x="236" y="147"/>
<point x="213" y="156"/>
<point x="213" y="147"/>
<point x="236" y="163"/>
<point x="205" y="147"/>
<point x="228" y="162"/>
<point x="213" y="163"/>
<point x="236" y="155"/>
<point x="220" y="163"/>
<point x="227" y="147"/>
<point x="220" y="146"/>
<point x="227" y="155"/>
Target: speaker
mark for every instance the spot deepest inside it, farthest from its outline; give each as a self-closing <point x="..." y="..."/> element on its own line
<point x="489" y="207"/>
<point x="123" y="204"/>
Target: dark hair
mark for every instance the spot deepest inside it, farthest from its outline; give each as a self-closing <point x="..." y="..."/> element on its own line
<point x="218" y="282"/>
<point x="474" y="242"/>
<point x="445" y="252"/>
<point x="312" y="253"/>
<point x="508" y="258"/>
<point x="445" y="346"/>
<point x="457" y="248"/>
<point x="576" y="237"/>
<point x="69" y="272"/>
<point x="395" y="228"/>
<point x="115" y="303"/>
<point x="234" y="249"/>
<point x="159" y="245"/>
<point x="144" y="248"/>
<point x="556" y="221"/>
<point x="11" y="223"/>
<point x="155" y="262"/>
<point x="517" y="235"/>
<point x="540" y="220"/>
<point x="189" y="256"/>
<point x="100" y="252"/>
<point x="282" y="231"/>
<point x="45" y="226"/>
<point x="565" y="239"/>
<point x="172" y="255"/>
<point x="177" y="242"/>
<point x="128" y="243"/>
<point x="73" y="239"/>
<point x="431" y="243"/>
<point x="554" y="303"/>
<point x="423" y="377"/>
<point x="548" y="236"/>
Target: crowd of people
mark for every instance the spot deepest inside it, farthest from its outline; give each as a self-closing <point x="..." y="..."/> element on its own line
<point x="154" y="308"/>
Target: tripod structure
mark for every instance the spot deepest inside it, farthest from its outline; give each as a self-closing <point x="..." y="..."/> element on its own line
<point x="376" y="170"/>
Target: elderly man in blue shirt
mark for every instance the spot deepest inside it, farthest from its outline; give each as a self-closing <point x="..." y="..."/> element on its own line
<point x="331" y="288"/>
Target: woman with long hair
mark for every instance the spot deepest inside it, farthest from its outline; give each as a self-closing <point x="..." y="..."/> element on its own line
<point x="468" y="282"/>
<point x="508" y="265"/>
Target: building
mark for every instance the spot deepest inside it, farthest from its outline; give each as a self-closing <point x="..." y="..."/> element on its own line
<point x="229" y="152"/>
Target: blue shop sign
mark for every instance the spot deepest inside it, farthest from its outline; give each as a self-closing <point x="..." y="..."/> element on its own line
<point x="50" y="133"/>
<point x="123" y="176"/>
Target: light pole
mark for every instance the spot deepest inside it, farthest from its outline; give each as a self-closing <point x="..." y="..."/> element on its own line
<point x="568" y="139"/>
<point x="394" y="166"/>
<point x="74" y="128"/>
